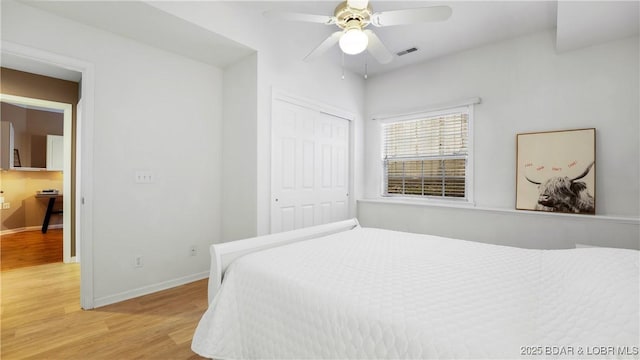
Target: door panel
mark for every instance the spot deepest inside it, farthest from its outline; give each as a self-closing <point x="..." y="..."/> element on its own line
<point x="310" y="167"/>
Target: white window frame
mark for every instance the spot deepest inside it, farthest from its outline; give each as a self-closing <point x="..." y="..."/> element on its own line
<point x="466" y="106"/>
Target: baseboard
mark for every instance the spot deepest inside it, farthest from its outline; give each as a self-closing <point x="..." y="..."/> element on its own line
<point x="145" y="290"/>
<point x="29" y="228"/>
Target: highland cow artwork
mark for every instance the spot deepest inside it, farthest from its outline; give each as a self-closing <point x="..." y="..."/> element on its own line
<point x="556" y="171"/>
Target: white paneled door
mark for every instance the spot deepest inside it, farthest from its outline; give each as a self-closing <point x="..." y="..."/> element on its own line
<point x="310" y="167"/>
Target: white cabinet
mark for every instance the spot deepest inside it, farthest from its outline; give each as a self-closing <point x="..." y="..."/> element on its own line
<point x="6" y="145"/>
<point x="9" y="156"/>
<point x="55" y="152"/>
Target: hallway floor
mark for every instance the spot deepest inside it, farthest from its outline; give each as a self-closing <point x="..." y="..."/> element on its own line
<point x="30" y="248"/>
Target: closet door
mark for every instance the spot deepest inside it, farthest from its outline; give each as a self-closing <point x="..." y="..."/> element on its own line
<point x="309" y="167"/>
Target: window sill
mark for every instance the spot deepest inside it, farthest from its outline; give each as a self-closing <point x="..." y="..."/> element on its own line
<point x="472" y="207"/>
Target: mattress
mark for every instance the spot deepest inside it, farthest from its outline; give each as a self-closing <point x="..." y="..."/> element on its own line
<point x="378" y="294"/>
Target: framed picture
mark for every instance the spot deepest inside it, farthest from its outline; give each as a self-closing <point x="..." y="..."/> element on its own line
<point x="16" y="158"/>
<point x="556" y="171"/>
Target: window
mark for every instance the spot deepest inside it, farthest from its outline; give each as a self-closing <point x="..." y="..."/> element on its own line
<point x="427" y="155"/>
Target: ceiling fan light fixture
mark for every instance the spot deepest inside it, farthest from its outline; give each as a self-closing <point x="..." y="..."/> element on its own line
<point x="353" y="41"/>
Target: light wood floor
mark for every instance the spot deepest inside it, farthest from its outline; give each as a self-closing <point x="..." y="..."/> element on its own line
<point x="41" y="319"/>
<point x="30" y="248"/>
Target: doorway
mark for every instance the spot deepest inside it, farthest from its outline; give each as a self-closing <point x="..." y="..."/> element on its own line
<point x="50" y="64"/>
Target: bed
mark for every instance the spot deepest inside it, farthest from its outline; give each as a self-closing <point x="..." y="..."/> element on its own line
<point x="343" y="291"/>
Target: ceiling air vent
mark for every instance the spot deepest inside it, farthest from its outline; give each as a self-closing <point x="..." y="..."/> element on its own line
<point x="405" y="52"/>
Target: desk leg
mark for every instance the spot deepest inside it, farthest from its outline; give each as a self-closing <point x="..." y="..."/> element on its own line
<point x="47" y="215"/>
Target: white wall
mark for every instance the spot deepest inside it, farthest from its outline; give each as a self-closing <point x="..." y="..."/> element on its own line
<point x="525" y="86"/>
<point x="155" y="111"/>
<point x="525" y="229"/>
<point x="279" y="66"/>
<point x="239" y="150"/>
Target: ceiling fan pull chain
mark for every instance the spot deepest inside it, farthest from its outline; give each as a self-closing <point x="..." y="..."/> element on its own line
<point x="366" y="75"/>
<point x="342" y="66"/>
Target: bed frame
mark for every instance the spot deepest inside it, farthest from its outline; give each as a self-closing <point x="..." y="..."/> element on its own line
<point x="222" y="255"/>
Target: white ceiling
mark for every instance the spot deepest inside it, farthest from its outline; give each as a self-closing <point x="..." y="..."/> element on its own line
<point x="139" y="21"/>
<point x="588" y="23"/>
<point x="473" y="23"/>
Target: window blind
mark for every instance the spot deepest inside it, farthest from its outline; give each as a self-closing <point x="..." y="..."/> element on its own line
<point x="426" y="157"/>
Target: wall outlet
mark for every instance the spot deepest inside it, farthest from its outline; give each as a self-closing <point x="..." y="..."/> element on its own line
<point x="193" y="251"/>
<point x="6" y="205"/>
<point x="138" y="262"/>
<point x="144" y="177"/>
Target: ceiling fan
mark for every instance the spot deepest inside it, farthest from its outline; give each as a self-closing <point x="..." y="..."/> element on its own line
<point x="353" y="16"/>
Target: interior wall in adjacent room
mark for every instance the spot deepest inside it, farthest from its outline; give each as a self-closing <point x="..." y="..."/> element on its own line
<point x="20" y="83"/>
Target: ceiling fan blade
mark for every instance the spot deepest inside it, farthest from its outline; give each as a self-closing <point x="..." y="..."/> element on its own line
<point x="289" y="16"/>
<point x="377" y="49"/>
<point x="324" y="46"/>
<point x="411" y="16"/>
<point x="358" y="4"/>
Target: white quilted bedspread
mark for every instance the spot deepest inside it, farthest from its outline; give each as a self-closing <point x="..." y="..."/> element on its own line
<point x="370" y="293"/>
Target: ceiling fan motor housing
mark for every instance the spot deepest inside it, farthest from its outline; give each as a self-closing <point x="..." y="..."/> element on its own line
<point x="349" y="18"/>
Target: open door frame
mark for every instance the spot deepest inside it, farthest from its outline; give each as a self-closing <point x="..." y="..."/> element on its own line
<point x="84" y="154"/>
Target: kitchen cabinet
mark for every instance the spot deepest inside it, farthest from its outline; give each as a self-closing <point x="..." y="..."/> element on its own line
<point x="6" y="145"/>
<point x="55" y="152"/>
